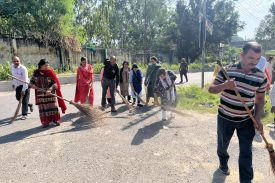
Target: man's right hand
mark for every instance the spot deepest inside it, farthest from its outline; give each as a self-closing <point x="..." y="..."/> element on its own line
<point x="272" y="109"/>
<point x="230" y="84"/>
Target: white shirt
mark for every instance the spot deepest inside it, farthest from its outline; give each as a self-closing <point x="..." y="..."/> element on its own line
<point x="21" y="73"/>
<point x="262" y="64"/>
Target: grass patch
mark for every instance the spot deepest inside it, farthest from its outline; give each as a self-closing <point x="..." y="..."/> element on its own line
<point x="197" y="99"/>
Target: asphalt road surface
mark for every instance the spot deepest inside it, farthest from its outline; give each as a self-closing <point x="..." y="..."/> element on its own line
<point x="121" y="148"/>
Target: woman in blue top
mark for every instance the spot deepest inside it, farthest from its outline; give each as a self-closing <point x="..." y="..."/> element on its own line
<point x="136" y="84"/>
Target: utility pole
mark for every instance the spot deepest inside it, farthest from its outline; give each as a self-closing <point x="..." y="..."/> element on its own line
<point x="203" y="42"/>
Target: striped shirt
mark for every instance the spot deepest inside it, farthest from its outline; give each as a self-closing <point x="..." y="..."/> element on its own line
<point x="248" y="84"/>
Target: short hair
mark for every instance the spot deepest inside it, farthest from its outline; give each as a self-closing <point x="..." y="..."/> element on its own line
<point x="83" y="58"/>
<point x="270" y="58"/>
<point x="254" y="46"/>
<point x="154" y="58"/>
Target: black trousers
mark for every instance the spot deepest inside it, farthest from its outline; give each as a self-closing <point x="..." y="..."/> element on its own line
<point x="108" y="83"/>
<point x="245" y="132"/>
<point x="25" y="101"/>
<point x="181" y="76"/>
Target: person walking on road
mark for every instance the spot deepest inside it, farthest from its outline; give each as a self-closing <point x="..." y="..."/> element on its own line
<point x="183" y="70"/>
<point x="84" y="83"/>
<point x="150" y="79"/>
<point x="110" y="80"/>
<point x="108" y="94"/>
<point x="136" y="84"/>
<point x="124" y="80"/>
<point x="45" y="78"/>
<point x="22" y="90"/>
<point x="251" y="83"/>
<point x="165" y="88"/>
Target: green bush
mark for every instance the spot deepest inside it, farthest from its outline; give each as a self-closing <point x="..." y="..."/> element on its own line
<point x="5" y="71"/>
<point x="195" y="98"/>
<point x="97" y="67"/>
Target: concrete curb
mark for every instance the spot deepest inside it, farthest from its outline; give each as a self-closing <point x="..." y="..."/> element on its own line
<point x="5" y="86"/>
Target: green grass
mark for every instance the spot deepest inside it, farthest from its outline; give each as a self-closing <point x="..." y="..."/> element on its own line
<point x="197" y="99"/>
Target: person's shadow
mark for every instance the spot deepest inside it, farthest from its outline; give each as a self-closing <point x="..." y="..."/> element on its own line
<point x="218" y="177"/>
<point x="20" y="135"/>
<point x="147" y="132"/>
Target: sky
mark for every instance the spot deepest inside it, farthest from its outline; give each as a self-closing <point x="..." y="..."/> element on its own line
<point x="252" y="12"/>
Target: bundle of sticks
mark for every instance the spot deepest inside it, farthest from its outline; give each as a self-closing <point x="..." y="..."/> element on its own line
<point x="269" y="146"/>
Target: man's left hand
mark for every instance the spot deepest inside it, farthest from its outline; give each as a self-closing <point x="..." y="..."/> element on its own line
<point x="22" y="93"/>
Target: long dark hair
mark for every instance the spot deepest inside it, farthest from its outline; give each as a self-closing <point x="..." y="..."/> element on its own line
<point x="121" y="70"/>
<point x="42" y="62"/>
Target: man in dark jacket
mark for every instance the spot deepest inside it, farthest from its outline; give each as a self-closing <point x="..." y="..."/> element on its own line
<point x="111" y="80"/>
<point x="183" y="70"/>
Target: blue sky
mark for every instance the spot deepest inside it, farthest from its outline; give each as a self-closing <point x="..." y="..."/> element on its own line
<point x="252" y="12"/>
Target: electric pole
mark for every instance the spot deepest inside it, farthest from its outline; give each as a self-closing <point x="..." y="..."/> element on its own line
<point x="203" y="42"/>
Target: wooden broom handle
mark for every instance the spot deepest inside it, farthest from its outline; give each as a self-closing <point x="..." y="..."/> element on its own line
<point x="40" y="89"/>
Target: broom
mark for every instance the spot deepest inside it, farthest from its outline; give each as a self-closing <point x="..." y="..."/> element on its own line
<point x="269" y="146"/>
<point x="125" y="100"/>
<point x="17" y="109"/>
<point x="85" y="109"/>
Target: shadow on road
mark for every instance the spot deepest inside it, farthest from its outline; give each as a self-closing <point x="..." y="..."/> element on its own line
<point x="20" y="135"/>
<point x="218" y="177"/>
<point x="147" y="132"/>
<point x="144" y="114"/>
<point x="70" y="116"/>
<point x="6" y="121"/>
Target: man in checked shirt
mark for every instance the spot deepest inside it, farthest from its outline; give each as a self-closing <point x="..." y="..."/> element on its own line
<point x="20" y="71"/>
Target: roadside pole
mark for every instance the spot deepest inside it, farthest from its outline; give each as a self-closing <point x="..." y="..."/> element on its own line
<point x="203" y="43"/>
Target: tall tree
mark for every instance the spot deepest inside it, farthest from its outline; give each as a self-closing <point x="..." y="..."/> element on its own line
<point x="221" y="13"/>
<point x="266" y="31"/>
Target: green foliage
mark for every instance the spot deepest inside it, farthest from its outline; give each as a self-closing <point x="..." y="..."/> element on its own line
<point x="49" y="21"/>
<point x="97" y="67"/>
<point x="5" y="71"/>
<point x="186" y="34"/>
<point x="194" y="98"/>
<point x="265" y="32"/>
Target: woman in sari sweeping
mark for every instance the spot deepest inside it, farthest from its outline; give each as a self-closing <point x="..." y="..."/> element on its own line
<point x="84" y="83"/>
<point x="124" y="80"/>
<point x="108" y="94"/>
<point x="165" y="88"/>
<point x="45" y="78"/>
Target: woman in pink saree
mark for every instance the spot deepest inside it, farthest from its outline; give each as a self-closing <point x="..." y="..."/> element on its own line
<point x="84" y="91"/>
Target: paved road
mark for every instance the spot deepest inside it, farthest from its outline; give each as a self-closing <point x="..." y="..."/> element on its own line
<point x="120" y="148"/>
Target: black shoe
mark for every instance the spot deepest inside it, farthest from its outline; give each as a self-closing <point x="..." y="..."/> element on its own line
<point x="45" y="126"/>
<point x="224" y="171"/>
<point x="31" y="107"/>
<point x="140" y="105"/>
<point x="113" y="109"/>
<point x="103" y="108"/>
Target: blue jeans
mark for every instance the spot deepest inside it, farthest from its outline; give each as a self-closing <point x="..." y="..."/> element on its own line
<point x="245" y="132"/>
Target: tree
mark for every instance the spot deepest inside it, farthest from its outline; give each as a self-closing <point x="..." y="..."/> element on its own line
<point x="266" y="31"/>
<point x="47" y="21"/>
<point x="221" y="13"/>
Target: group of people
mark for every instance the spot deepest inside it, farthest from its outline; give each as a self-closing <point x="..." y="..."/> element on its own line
<point x="244" y="76"/>
<point x="159" y="83"/>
